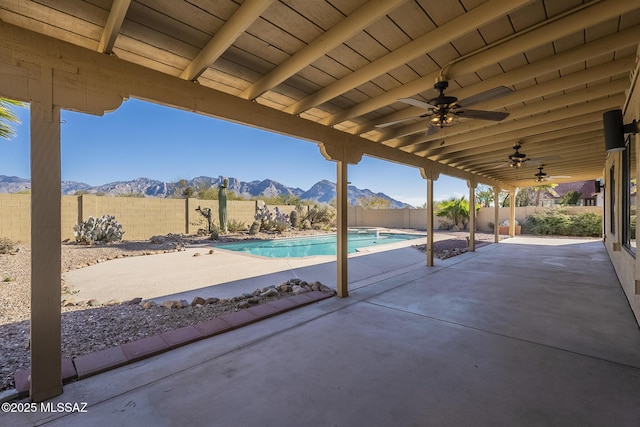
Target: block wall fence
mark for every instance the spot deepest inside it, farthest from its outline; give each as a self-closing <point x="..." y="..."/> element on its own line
<point x="142" y="218"/>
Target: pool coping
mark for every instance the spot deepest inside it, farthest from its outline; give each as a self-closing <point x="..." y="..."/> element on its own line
<point x="363" y="250"/>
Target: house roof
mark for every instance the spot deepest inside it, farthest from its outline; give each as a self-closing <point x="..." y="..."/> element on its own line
<point x="586" y="189"/>
<point x="332" y="71"/>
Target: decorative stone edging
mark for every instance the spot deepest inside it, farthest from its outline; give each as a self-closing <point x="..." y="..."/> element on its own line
<point x="94" y="363"/>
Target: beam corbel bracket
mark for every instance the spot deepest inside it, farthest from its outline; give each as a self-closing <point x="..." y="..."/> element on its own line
<point x="340" y="153"/>
<point x="431" y="174"/>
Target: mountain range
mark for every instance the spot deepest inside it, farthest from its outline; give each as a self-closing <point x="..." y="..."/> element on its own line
<point x="321" y="192"/>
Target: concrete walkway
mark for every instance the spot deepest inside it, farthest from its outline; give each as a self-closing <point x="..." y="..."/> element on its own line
<point x="528" y="332"/>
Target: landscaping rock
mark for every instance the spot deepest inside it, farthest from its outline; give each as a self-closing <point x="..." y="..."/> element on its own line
<point x="135" y="301"/>
<point x="270" y="292"/>
<point x="198" y="301"/>
<point x="212" y="300"/>
<point x="243" y="304"/>
<point x="298" y="290"/>
<point x="149" y="304"/>
<point x="170" y="304"/>
<point x="93" y="303"/>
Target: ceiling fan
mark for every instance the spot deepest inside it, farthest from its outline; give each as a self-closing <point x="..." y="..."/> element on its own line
<point x="445" y="110"/>
<point x="516" y="160"/>
<point x="541" y="176"/>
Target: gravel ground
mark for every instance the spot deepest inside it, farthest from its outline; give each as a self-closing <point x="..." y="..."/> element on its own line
<point x="86" y="329"/>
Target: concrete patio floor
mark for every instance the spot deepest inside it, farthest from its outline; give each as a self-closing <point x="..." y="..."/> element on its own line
<point x="528" y="332"/>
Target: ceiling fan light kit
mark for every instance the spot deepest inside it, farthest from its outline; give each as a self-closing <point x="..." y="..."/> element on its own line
<point x="445" y="110"/>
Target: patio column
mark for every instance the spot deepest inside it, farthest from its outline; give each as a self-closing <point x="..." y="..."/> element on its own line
<point x="496" y="214"/>
<point x="430" y="176"/>
<point x="343" y="158"/>
<point x="472" y="214"/>
<point x="46" y="376"/>
<point x="512" y="212"/>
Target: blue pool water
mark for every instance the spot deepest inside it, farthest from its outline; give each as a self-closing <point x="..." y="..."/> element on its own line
<point x="318" y="245"/>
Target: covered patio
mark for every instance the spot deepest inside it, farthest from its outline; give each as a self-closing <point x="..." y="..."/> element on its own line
<point x="528" y="341"/>
<point x="357" y="78"/>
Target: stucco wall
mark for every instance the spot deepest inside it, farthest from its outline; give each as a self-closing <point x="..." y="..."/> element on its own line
<point x="626" y="264"/>
<point x="487" y="215"/>
<point x="141" y="218"/>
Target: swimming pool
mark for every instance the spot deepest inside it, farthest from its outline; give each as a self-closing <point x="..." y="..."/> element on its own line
<point x="317" y="245"/>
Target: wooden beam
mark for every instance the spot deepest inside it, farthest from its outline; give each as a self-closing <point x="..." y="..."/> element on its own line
<point x="111" y="78"/>
<point x="585" y="18"/>
<point x="246" y="14"/>
<point x="464" y="24"/>
<point x="363" y="17"/>
<point x="112" y="27"/>
<point x="46" y="344"/>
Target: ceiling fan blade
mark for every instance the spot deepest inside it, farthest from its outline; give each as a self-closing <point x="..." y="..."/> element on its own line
<point x="485" y="96"/>
<point x="484" y="115"/>
<point x="416" y="103"/>
<point x="541" y="161"/>
<point x="432" y="130"/>
<point x="384" y="125"/>
<point x="500" y="165"/>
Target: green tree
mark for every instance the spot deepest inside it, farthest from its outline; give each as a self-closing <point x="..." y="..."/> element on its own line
<point x="280" y="199"/>
<point x="374" y="202"/>
<point x="206" y="192"/>
<point x="8" y="117"/>
<point x="571" y="198"/>
<point x="485" y="194"/>
<point x="457" y="210"/>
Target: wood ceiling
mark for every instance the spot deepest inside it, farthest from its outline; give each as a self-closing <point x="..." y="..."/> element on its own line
<point x="345" y="63"/>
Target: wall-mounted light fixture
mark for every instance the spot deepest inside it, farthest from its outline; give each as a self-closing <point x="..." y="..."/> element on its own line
<point x="614" y="130"/>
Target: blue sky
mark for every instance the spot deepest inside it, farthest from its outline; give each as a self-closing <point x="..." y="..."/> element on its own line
<point x="141" y="139"/>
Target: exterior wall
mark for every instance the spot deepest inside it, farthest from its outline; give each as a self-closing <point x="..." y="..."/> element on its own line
<point x="141" y="218"/>
<point x="69" y="216"/>
<point x="626" y="264"/>
<point x="15" y="216"/>
<point x="486" y="215"/>
<point x="390" y="218"/>
<point x="417" y="218"/>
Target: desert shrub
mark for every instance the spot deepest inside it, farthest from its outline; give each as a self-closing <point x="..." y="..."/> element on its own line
<point x="562" y="222"/>
<point x="320" y="217"/>
<point x="103" y="229"/>
<point x="6" y="245"/>
<point x="235" y="225"/>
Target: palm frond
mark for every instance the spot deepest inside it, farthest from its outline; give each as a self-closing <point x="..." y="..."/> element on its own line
<point x="7" y="117"/>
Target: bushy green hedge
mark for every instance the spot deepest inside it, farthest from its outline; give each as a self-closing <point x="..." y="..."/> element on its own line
<point x="562" y="222"/>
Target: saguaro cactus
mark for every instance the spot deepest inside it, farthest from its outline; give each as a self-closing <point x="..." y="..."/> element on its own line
<point x="222" y="205"/>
